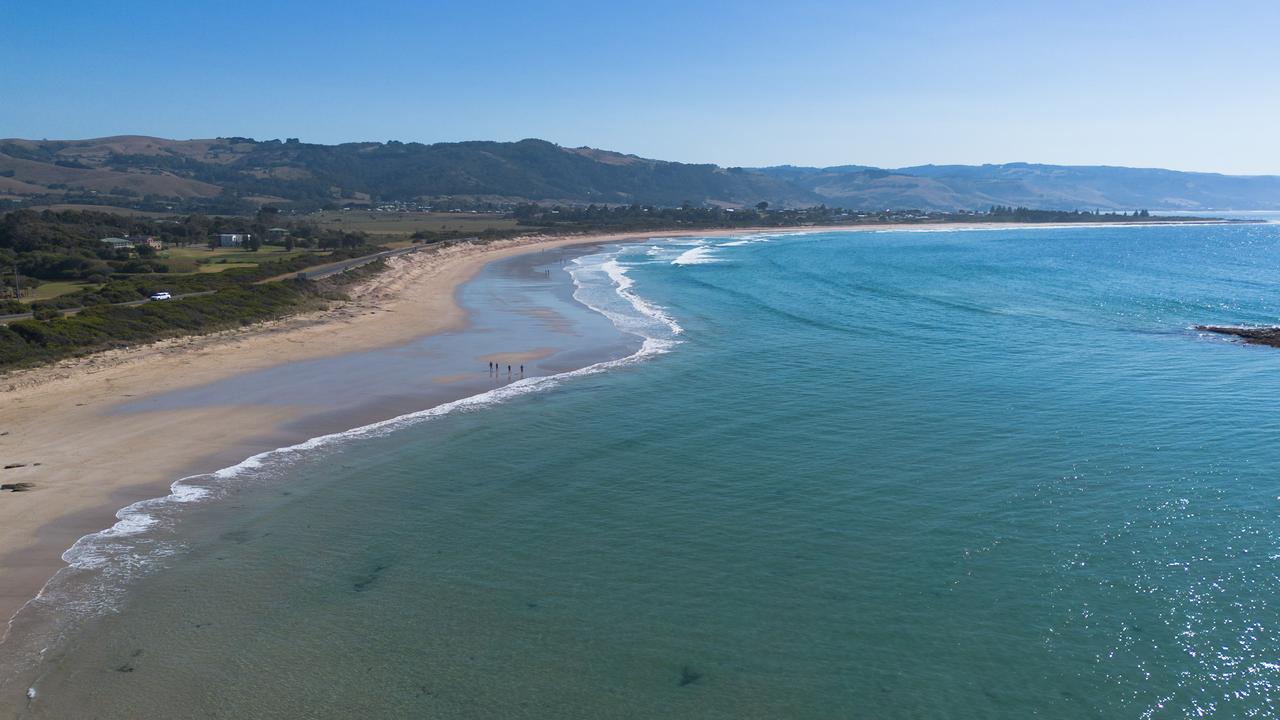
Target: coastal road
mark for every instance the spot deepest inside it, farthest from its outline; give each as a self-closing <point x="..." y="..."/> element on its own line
<point x="319" y="272"/>
<point x="73" y="311"/>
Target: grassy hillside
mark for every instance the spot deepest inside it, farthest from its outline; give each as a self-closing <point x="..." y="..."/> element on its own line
<point x="231" y="169"/>
<point x="237" y="175"/>
<point x="1057" y="187"/>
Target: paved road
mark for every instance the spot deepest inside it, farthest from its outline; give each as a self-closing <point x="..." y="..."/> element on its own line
<point x="73" y="311"/>
<point x="324" y="271"/>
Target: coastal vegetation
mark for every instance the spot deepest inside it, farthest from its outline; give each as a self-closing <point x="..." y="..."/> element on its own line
<point x="59" y="261"/>
<point x="128" y="288"/>
<point x="648" y="217"/>
<point x="52" y="336"/>
<point x="66" y="246"/>
<point x="1005" y="213"/>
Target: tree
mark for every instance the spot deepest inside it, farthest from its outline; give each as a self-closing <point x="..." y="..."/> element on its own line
<point x="762" y="206"/>
<point x="253" y="243"/>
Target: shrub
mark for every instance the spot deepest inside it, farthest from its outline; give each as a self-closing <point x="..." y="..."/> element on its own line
<point x="53" y="336"/>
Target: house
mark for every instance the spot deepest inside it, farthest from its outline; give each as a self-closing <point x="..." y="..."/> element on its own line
<point x="118" y="243"/>
<point x="277" y="233"/>
<point x="146" y="241"/>
<point x="231" y="239"/>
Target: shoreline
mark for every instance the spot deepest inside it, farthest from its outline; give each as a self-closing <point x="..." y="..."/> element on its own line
<point x="87" y="463"/>
<point x="86" y="466"/>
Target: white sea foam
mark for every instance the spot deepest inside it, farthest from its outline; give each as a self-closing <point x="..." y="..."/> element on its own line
<point x="1046" y="226"/>
<point x="118" y="552"/>
<point x="701" y="255"/>
<point x="617" y="301"/>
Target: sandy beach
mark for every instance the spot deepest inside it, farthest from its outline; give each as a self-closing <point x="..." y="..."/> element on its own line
<point x="85" y="464"/>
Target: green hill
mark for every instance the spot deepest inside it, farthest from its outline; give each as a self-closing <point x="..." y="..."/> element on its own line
<point x="1050" y="187"/>
<point x="274" y="171"/>
<point x="237" y="174"/>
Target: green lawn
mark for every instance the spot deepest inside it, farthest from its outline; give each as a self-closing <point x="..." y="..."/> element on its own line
<point x="184" y="260"/>
<point x="55" y="288"/>
<point x="386" y="224"/>
<point x="200" y="253"/>
<point x="220" y="266"/>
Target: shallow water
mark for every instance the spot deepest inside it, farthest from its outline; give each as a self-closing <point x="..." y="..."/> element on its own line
<point x="968" y="474"/>
<point x="520" y="304"/>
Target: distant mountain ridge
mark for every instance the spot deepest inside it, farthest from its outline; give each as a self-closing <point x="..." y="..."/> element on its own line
<point x="131" y="170"/>
<point x="1054" y="187"/>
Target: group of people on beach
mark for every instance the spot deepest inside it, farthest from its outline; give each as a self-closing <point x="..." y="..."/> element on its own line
<point x="495" y="369"/>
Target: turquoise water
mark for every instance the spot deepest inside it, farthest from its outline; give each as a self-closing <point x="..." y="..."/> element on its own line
<point x="979" y="474"/>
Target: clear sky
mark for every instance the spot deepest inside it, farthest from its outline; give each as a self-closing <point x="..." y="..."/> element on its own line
<point x="1179" y="84"/>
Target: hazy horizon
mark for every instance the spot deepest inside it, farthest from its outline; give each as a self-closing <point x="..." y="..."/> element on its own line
<point x="624" y="152"/>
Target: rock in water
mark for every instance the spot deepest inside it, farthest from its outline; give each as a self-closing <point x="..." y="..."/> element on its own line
<point x="1252" y="335"/>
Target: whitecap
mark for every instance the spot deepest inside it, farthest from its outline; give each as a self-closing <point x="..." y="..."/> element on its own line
<point x="701" y="255"/>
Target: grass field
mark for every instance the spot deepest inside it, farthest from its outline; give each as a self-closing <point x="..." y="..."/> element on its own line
<point x="201" y="259"/>
<point x="230" y="254"/>
<point x="103" y="208"/>
<point x="55" y="288"/>
<point x="220" y="266"/>
<point x="387" y="224"/>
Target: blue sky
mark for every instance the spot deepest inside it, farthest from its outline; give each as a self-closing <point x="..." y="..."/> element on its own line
<point x="1180" y="84"/>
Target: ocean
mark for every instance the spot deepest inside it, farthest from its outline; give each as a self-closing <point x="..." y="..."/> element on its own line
<point x="963" y="474"/>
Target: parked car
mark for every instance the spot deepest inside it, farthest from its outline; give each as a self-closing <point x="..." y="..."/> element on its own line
<point x="162" y="295"/>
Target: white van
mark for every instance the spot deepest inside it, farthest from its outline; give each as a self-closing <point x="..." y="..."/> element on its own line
<point x="162" y="295"/>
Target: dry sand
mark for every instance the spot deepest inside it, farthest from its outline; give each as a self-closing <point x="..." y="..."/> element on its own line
<point x="85" y="465"/>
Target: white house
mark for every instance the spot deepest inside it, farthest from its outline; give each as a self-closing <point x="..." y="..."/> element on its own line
<point x="231" y="239"/>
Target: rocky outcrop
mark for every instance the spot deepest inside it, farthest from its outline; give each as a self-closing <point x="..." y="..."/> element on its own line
<point x="1253" y="335"/>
